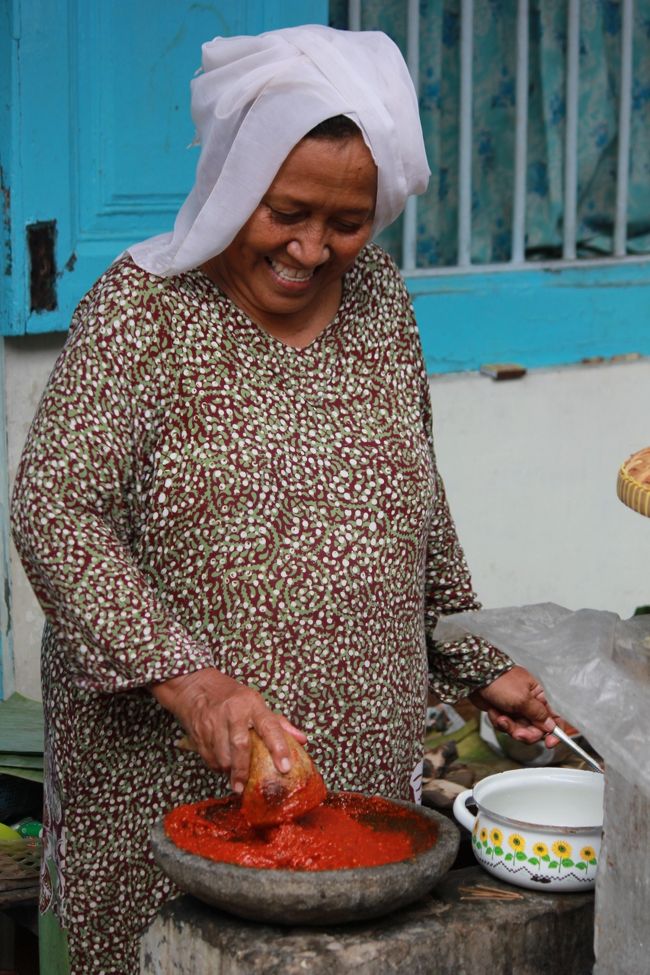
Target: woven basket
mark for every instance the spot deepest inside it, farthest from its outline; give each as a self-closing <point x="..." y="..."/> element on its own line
<point x="19" y="862"/>
<point x="631" y="491"/>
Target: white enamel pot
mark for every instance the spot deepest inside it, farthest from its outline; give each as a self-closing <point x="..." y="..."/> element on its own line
<point x="537" y="827"/>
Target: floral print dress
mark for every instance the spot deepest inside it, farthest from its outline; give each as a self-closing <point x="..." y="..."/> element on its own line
<point x="195" y="493"/>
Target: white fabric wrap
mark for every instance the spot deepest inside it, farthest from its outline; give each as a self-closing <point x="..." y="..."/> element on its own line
<point x="256" y="98"/>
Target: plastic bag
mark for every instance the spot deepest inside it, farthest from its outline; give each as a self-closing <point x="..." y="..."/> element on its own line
<point x="594" y="667"/>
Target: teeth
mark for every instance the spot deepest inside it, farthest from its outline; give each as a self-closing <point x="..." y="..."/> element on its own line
<point x="290" y="273"/>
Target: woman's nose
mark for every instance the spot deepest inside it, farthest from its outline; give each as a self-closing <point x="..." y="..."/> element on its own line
<point x="310" y="247"/>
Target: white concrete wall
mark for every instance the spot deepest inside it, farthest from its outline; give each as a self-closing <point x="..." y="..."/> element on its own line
<point x="530" y="467"/>
<point x="28" y="363"/>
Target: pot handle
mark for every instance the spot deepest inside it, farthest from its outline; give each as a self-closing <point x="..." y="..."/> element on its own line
<point x="461" y="812"/>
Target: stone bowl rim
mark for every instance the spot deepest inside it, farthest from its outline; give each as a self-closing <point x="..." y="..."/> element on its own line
<point x="446" y="827"/>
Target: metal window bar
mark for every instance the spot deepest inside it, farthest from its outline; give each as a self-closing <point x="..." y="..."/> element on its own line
<point x="624" y="122"/>
<point x="465" y="135"/>
<point x="571" y="144"/>
<point x="571" y="132"/>
<point x="521" y="137"/>
<point x="410" y="219"/>
<point x="354" y="14"/>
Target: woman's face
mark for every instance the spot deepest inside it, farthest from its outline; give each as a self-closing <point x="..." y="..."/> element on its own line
<point x="285" y="265"/>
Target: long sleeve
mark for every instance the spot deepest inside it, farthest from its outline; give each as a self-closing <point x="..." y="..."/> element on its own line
<point x="457" y="667"/>
<point x="78" y="492"/>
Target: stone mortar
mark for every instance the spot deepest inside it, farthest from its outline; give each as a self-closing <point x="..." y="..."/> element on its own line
<point x="310" y="897"/>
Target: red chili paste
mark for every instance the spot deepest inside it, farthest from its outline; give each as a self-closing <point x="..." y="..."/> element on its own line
<point x="279" y="800"/>
<point x="346" y="830"/>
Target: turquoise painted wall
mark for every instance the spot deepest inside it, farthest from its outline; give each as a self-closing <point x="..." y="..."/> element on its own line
<point x="538" y="317"/>
<point x="79" y="153"/>
<point x="95" y="158"/>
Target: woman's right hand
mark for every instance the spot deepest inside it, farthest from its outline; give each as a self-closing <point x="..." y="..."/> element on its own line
<point x="218" y="713"/>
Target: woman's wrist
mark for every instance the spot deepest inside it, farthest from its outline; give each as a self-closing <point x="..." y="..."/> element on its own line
<point x="178" y="694"/>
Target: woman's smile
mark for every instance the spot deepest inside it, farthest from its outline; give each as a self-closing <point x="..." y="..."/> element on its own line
<point x="290" y="275"/>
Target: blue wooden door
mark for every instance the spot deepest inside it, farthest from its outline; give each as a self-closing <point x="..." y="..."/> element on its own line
<point x="94" y="134"/>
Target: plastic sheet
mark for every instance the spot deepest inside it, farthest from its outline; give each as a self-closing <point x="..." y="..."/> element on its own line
<point x="594" y="667"/>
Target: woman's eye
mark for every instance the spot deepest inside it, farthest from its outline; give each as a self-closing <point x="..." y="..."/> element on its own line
<point x="348" y="228"/>
<point x="283" y="216"/>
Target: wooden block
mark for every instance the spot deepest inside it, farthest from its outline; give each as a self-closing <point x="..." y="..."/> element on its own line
<point x="503" y="370"/>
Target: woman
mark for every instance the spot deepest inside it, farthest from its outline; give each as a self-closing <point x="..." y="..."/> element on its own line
<point x="228" y="505"/>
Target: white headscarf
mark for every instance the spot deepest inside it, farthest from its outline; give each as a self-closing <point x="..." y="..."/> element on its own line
<point x="255" y="100"/>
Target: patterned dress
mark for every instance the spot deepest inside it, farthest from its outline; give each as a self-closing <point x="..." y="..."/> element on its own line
<point x="195" y="493"/>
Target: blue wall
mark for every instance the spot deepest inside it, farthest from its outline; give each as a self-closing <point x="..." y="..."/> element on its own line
<point x="538" y="317"/>
<point x="95" y="130"/>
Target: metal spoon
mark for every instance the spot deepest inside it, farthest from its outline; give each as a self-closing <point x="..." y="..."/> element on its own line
<point x="562" y="735"/>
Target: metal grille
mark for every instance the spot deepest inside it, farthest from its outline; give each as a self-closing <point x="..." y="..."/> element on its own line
<point x="571" y="146"/>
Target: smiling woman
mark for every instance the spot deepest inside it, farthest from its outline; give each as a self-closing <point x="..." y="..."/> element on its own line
<point x="228" y="504"/>
<point x="285" y="267"/>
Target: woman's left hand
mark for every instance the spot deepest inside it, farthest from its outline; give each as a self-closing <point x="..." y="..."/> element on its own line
<point x="516" y="703"/>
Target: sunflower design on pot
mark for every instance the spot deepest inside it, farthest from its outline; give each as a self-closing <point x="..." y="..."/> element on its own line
<point x="518" y="839"/>
<point x="588" y="858"/>
<point x="562" y="849"/>
<point x="516" y="843"/>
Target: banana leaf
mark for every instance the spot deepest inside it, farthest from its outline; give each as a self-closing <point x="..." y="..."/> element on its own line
<point x="21" y="760"/>
<point x="21" y="725"/>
